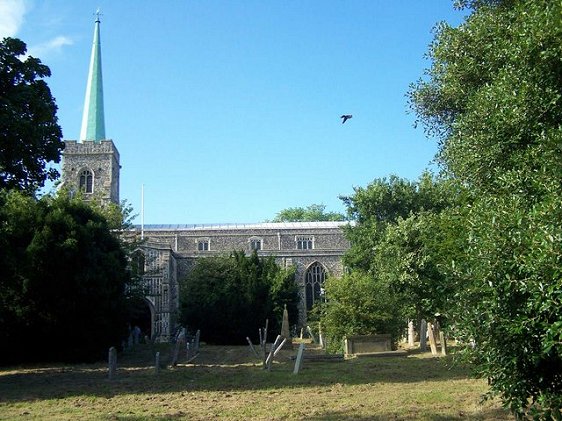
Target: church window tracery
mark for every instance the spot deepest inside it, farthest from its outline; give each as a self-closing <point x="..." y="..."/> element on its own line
<point x="86" y="181"/>
<point x="314" y="285"/>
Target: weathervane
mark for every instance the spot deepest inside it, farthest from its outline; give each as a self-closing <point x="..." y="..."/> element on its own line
<point x="98" y="14"/>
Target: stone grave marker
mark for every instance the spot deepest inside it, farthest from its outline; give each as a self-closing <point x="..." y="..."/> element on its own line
<point x="112" y="363"/>
<point x="432" y="342"/>
<point x="443" y="341"/>
<point x="423" y="336"/>
<point x="298" y="360"/>
<point x="411" y="333"/>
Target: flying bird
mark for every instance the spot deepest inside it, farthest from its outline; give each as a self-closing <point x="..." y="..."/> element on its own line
<point x="345" y="117"/>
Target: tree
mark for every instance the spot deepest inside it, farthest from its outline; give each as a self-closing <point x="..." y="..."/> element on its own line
<point x="309" y="214"/>
<point x="64" y="280"/>
<point x="401" y="242"/>
<point x="29" y="134"/>
<point x="357" y="304"/>
<point x="382" y="204"/>
<point x="229" y="298"/>
<point x="492" y="98"/>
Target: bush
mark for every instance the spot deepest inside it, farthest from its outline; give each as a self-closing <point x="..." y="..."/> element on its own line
<point x="229" y="298"/>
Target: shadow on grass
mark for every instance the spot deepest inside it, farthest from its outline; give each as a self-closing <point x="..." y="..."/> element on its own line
<point x="487" y="414"/>
<point x="217" y="369"/>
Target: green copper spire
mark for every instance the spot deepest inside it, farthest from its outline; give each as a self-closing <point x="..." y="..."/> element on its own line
<point x="93" y="123"/>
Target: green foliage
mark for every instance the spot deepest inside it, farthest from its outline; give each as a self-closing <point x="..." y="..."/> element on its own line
<point x="493" y="97"/>
<point x="29" y="134"/>
<point x="382" y="204"/>
<point x="359" y="305"/>
<point x="63" y="280"/>
<point x="397" y="252"/>
<point x="229" y="298"/>
<point x="309" y="214"/>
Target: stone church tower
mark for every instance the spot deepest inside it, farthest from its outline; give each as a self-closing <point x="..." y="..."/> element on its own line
<point x="91" y="164"/>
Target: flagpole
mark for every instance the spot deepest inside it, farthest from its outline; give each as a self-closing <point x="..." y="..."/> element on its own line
<point x="142" y="211"/>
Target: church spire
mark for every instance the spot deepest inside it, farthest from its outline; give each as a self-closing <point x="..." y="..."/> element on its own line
<point x="93" y="123"/>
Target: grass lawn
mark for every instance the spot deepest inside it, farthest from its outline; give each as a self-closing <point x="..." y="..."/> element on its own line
<point x="229" y="383"/>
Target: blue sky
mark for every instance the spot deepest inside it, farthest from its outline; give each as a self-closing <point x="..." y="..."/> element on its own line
<point x="228" y="110"/>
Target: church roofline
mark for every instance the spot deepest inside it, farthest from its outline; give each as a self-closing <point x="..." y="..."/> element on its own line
<point x="248" y="226"/>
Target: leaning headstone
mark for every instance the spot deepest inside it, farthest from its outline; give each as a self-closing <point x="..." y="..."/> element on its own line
<point x="112" y="363"/>
<point x="443" y="341"/>
<point x="309" y="330"/>
<point x="432" y="342"/>
<point x="423" y="336"/>
<point x="411" y="333"/>
<point x="267" y="362"/>
<point x="157" y="363"/>
<point x="298" y="360"/>
<point x="275" y="348"/>
<point x="252" y="347"/>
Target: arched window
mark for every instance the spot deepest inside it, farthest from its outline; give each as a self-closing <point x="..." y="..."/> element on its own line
<point x="137" y="264"/>
<point x="314" y="284"/>
<point x="87" y="181"/>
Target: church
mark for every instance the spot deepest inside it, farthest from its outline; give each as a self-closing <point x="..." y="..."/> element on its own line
<point x="91" y="165"/>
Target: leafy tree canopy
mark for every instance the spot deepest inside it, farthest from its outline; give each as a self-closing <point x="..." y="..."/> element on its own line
<point x="311" y="213"/>
<point x="29" y="134"/>
<point x="229" y="298"/>
<point x="397" y="247"/>
<point x="63" y="278"/>
<point x="493" y="99"/>
<point x="382" y="204"/>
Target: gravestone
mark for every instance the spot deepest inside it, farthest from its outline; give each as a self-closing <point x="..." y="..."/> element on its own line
<point x="423" y="336"/>
<point x="432" y="342"/>
<point x="285" y="329"/>
<point x="309" y="331"/>
<point x="298" y="360"/>
<point x="411" y="333"/>
<point x="112" y="363"/>
<point x="157" y="363"/>
<point x="366" y="344"/>
<point x="443" y="341"/>
<point x="252" y="347"/>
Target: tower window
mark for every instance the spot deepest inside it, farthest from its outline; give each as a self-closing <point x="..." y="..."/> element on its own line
<point x="305" y="243"/>
<point x="87" y="181"/>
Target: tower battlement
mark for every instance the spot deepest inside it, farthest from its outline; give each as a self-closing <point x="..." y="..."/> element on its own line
<point x="75" y="147"/>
